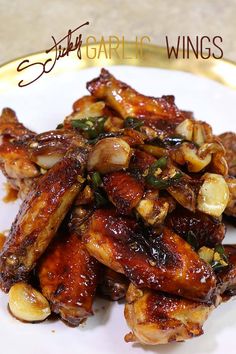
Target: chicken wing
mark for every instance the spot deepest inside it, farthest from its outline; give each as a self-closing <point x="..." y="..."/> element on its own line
<point x="48" y="148"/>
<point x="227" y="275"/>
<point x="68" y="278"/>
<point x="39" y="217"/>
<point x="206" y="230"/>
<point x="15" y="161"/>
<point x="11" y="128"/>
<point x="123" y="190"/>
<point x="158" y="318"/>
<point x="160" y="112"/>
<point x="229" y="142"/>
<point x="113" y="285"/>
<point x="161" y="262"/>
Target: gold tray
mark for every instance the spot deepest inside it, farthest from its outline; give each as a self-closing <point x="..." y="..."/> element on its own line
<point x="220" y="70"/>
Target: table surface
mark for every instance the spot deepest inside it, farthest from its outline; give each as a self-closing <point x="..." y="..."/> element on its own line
<point x="27" y="26"/>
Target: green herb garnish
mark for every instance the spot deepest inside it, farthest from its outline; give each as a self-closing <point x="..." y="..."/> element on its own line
<point x="96" y="180"/>
<point x="133" y="123"/>
<point x="192" y="240"/>
<point x="100" y="198"/>
<point x="163" y="183"/>
<point x="220" y="249"/>
<point x="160" y="163"/>
<point x="223" y="261"/>
<point x="173" y="140"/>
<point x="92" y="127"/>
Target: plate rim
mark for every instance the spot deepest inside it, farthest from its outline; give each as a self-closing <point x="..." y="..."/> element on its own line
<point x="222" y="71"/>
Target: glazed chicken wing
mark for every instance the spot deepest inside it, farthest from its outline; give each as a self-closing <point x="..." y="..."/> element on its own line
<point x="161" y="112"/>
<point x="68" y="278"/>
<point x="227" y="275"/>
<point x="39" y="217"/>
<point x="48" y="148"/>
<point x="158" y="318"/>
<point x="161" y="262"/>
<point x="11" y="128"/>
<point x="229" y="141"/>
<point x="15" y="162"/>
<point x="113" y="285"/>
<point x="206" y="230"/>
<point x="123" y="190"/>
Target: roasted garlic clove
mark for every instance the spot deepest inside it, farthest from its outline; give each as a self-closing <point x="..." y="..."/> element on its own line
<point x="194" y="161"/>
<point x="185" y="129"/>
<point x="198" y="134"/>
<point x="108" y="155"/>
<point x="153" y="212"/>
<point x="27" y="304"/>
<point x="47" y="161"/>
<point x="206" y="253"/>
<point x="213" y="195"/>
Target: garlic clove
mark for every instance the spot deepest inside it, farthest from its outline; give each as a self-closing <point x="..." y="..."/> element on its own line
<point x="108" y="155"/>
<point x="195" y="163"/>
<point x="213" y="195"/>
<point x="185" y="129"/>
<point x="28" y="304"/>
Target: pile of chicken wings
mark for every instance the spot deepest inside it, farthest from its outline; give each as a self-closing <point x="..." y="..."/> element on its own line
<point x="126" y="199"/>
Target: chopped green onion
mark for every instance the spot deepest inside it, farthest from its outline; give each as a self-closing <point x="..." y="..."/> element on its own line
<point x="160" y="163"/>
<point x="100" y="199"/>
<point x="134" y="123"/>
<point x="192" y="240"/>
<point x="96" y="180"/>
<point x="163" y="183"/>
<point x="220" y="249"/>
<point x="168" y="141"/>
<point x="92" y="126"/>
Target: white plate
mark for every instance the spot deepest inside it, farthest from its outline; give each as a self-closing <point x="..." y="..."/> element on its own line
<point x="41" y="106"/>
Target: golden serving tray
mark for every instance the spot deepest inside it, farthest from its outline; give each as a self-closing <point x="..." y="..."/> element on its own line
<point x="220" y="70"/>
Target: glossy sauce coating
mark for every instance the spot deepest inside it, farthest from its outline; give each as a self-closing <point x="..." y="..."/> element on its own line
<point x="38" y="220"/>
<point x="123" y="190"/>
<point x="68" y="278"/>
<point x="161" y="113"/>
<point x="161" y="262"/>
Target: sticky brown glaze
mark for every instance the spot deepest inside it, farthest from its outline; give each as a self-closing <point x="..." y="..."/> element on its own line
<point x="161" y="262"/>
<point x="39" y="217"/>
<point x="141" y="161"/>
<point x="229" y="141"/>
<point x="123" y="190"/>
<point x="2" y="240"/>
<point x="15" y="161"/>
<point x="227" y="276"/>
<point x="10" y="127"/>
<point x="68" y="278"/>
<point x="208" y="231"/>
<point x="82" y="103"/>
<point x="49" y="147"/>
<point x="11" y="194"/>
<point x="113" y="285"/>
<point x="133" y="137"/>
<point x="158" y="318"/>
<point x="161" y="113"/>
